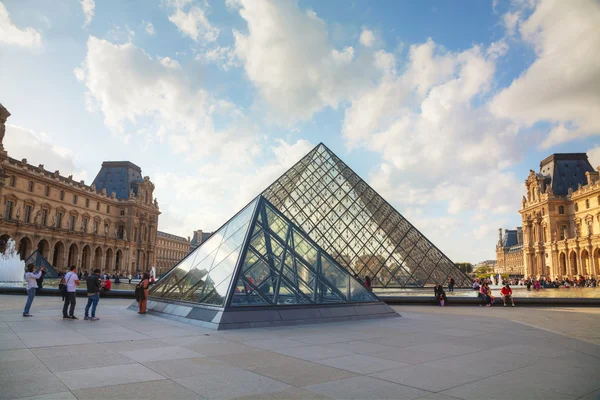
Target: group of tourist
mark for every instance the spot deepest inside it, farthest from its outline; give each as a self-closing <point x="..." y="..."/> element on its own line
<point x="484" y="292"/>
<point x="68" y="287"/>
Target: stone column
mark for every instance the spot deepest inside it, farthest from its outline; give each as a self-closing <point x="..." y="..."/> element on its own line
<point x="590" y="270"/>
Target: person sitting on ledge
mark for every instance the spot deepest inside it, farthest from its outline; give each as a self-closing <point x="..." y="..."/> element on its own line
<point x="107" y="285"/>
<point x="506" y="293"/>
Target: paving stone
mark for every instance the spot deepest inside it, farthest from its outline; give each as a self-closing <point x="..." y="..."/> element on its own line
<point x="162" y="353"/>
<point x="105" y="376"/>
<point x="312" y="353"/>
<point x="30" y="385"/>
<point x="52" y="396"/>
<point x="184" y="368"/>
<point x="426" y="377"/>
<point x="155" y="390"/>
<point x="361" y="364"/>
<point x="16" y="355"/>
<point x="285" y="369"/>
<point x="229" y="383"/>
<point x="364" y="387"/>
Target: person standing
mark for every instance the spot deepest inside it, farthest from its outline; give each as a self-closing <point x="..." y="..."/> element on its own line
<point x="31" y="279"/>
<point x="72" y="281"/>
<point x="451" y="284"/>
<point x="40" y="281"/>
<point x="144" y="286"/>
<point x="93" y="293"/>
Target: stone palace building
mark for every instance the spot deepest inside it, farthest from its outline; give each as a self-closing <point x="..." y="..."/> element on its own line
<point x="561" y="221"/>
<point x="110" y="224"/>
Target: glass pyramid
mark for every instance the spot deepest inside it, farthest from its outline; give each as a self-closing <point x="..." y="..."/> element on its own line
<point x="356" y="226"/>
<point x="272" y="262"/>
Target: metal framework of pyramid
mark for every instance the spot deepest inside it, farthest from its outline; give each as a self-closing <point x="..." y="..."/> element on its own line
<point x="355" y="225"/>
<point x="261" y="269"/>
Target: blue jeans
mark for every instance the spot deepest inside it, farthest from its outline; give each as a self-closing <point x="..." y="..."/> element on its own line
<point x="92" y="301"/>
<point x="30" y="296"/>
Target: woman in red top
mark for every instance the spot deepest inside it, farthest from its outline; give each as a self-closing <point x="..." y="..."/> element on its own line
<point x="506" y="293"/>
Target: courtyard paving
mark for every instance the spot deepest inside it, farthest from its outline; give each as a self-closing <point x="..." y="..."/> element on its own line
<point x="429" y="353"/>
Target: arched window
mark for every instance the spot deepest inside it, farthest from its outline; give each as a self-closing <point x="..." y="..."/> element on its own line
<point x="561" y="209"/>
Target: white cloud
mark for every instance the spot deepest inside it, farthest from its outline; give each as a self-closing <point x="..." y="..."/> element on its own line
<point x="594" y="156"/>
<point x="562" y="86"/>
<point x="134" y="90"/>
<point x="222" y="189"/>
<point x="149" y="28"/>
<point x="511" y="21"/>
<point x="367" y="38"/>
<point x="10" y="34"/>
<point x="287" y="56"/>
<point x="194" y="24"/>
<point x="88" y="7"/>
<point x="223" y="56"/>
<point x="169" y="63"/>
<point x="38" y="148"/>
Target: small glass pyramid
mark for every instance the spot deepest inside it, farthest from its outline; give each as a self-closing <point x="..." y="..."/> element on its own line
<point x="356" y="226"/>
<point x="273" y="262"/>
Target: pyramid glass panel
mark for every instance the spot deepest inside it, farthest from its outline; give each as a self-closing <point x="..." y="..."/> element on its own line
<point x="344" y="216"/>
<point x="205" y="275"/>
<point x="284" y="266"/>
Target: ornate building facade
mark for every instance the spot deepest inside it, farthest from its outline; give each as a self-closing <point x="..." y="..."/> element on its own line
<point x="170" y="249"/>
<point x="561" y="218"/>
<point x="110" y="224"/>
<point x="509" y="252"/>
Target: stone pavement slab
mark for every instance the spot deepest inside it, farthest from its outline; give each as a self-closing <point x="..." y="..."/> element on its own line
<point x="229" y="383"/>
<point x="155" y="390"/>
<point x="105" y="376"/>
<point x="361" y="364"/>
<point x="364" y="387"/>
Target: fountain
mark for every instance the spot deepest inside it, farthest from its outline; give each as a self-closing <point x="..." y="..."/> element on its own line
<point x="12" y="268"/>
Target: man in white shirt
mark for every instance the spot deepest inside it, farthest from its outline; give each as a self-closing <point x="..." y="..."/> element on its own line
<point x="31" y="279"/>
<point x="71" y="281"/>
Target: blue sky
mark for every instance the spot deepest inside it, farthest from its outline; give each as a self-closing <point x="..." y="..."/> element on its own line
<point x="442" y="106"/>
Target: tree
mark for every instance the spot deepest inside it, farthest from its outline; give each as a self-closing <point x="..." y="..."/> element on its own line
<point x="465" y="267"/>
<point x="484" y="271"/>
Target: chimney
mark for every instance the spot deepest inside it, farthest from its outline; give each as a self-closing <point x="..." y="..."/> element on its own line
<point x="519" y="235"/>
<point x="500" y="237"/>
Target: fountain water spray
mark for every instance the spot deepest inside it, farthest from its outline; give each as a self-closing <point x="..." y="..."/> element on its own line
<point x="12" y="268"/>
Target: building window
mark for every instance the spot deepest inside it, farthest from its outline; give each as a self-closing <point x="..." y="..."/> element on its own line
<point x="98" y="206"/>
<point x="9" y="210"/>
<point x="95" y="226"/>
<point x="47" y="191"/>
<point x="122" y="212"/>
<point x="27" y="214"/>
<point x="31" y="186"/>
<point x="107" y="209"/>
<point x="120" y="231"/>
<point x="72" y="225"/>
<point x="62" y="195"/>
<point x="561" y="209"/>
<point x="85" y="225"/>
<point x="135" y="234"/>
<point x="87" y="203"/>
<point x="75" y="198"/>
<point x="59" y="216"/>
<point x="587" y="204"/>
<point x="44" y="217"/>
<point x="576" y="207"/>
<point x="13" y="181"/>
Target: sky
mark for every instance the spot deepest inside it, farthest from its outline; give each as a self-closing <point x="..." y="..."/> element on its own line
<point x="442" y="106"/>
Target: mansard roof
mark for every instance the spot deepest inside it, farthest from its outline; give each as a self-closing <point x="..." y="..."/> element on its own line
<point x="566" y="171"/>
